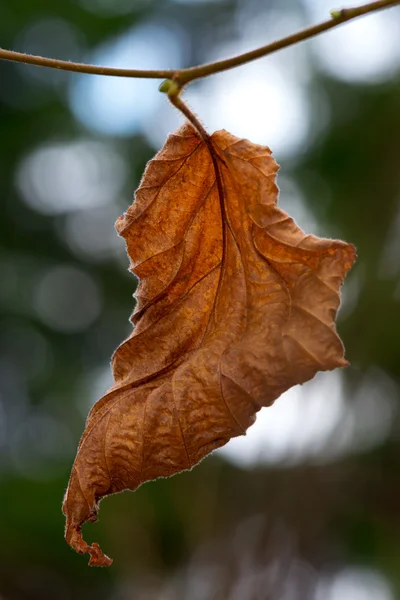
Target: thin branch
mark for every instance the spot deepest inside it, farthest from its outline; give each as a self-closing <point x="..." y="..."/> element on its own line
<point x="65" y="65"/>
<point x="337" y="18"/>
<point x="184" y="76"/>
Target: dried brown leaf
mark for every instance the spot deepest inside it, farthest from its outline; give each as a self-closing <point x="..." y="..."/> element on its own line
<point x="235" y="305"/>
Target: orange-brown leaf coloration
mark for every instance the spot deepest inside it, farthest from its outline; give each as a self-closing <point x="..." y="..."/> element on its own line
<point x="235" y="305"/>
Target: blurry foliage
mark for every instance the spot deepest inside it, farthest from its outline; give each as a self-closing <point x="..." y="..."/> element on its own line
<point x="219" y="531"/>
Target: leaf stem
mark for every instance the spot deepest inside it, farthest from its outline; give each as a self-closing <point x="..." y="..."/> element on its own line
<point x="176" y="100"/>
<point x="185" y="76"/>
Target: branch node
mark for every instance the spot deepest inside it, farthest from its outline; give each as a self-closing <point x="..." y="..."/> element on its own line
<point x="336" y="14"/>
<point x="170" y="87"/>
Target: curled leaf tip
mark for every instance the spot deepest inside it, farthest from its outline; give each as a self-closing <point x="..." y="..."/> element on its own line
<point x="73" y="537"/>
<point x="97" y="557"/>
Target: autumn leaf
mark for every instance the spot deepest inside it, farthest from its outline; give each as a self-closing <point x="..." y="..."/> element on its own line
<point x="235" y="305"/>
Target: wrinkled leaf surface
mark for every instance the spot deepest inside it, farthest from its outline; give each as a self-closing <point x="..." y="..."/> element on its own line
<point x="235" y="305"/>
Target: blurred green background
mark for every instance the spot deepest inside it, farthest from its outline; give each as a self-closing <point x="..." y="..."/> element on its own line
<point x="307" y="505"/>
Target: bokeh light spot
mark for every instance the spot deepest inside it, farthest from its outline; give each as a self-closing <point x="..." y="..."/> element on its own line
<point x="365" y="50"/>
<point x="27" y="348"/>
<point x="355" y="584"/>
<point x="39" y="445"/>
<point x="123" y="106"/>
<point x="91" y="235"/>
<point x="53" y="37"/>
<point x="67" y="299"/>
<point x="57" y="178"/>
<point x="313" y="422"/>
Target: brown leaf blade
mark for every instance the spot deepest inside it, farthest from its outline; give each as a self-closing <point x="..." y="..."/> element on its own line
<point x="235" y="305"/>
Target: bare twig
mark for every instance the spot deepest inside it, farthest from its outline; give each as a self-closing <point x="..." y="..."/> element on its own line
<point x="64" y="65"/>
<point x="337" y="18"/>
<point x="185" y="76"/>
